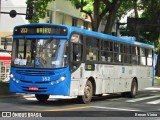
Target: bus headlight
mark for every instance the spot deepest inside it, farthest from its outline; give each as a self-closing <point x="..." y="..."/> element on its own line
<point x="11" y="76"/>
<point x="17" y="81"/>
<point x="62" y="78"/>
<point x="52" y="83"/>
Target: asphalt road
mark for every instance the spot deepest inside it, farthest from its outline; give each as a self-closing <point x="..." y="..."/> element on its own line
<point x="145" y="105"/>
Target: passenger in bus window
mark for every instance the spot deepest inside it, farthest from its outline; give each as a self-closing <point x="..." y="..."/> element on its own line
<point x="76" y="52"/>
<point x="20" y="56"/>
<point x="75" y="38"/>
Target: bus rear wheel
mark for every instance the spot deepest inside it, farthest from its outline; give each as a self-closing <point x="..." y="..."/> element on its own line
<point x="42" y="97"/>
<point x="88" y="93"/>
<point x="134" y="88"/>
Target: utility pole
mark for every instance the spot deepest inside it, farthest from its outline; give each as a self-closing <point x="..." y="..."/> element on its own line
<point x="0" y="11"/>
<point x="13" y="13"/>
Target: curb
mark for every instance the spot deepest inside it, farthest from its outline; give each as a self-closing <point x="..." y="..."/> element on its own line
<point x="11" y="96"/>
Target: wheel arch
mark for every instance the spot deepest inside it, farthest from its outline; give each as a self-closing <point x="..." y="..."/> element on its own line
<point x="92" y="80"/>
<point x="135" y="79"/>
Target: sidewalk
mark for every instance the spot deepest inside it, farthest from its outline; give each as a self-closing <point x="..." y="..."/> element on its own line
<point x="157" y="83"/>
<point x="11" y="96"/>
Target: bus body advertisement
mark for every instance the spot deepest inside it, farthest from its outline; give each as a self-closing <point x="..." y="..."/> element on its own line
<point x="51" y="59"/>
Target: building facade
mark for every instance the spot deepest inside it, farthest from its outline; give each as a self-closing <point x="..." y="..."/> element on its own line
<point x="65" y="14"/>
<point x="6" y="27"/>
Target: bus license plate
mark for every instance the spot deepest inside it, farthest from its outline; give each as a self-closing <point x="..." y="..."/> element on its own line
<point x="33" y="88"/>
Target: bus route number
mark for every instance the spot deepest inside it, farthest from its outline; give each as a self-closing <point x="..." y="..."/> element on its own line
<point x="45" y="78"/>
<point x="24" y="30"/>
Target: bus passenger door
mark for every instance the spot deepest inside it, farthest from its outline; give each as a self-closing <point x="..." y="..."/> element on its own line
<point x="76" y="52"/>
<point x="75" y="56"/>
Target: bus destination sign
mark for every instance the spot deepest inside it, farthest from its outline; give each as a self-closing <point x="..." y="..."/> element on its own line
<point x="41" y="30"/>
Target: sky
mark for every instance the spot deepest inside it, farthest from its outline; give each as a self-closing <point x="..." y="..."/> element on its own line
<point x="7" y="6"/>
<point x="13" y="2"/>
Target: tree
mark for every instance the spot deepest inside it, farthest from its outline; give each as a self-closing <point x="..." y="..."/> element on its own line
<point x="98" y="9"/>
<point x="39" y="9"/>
<point x="152" y="14"/>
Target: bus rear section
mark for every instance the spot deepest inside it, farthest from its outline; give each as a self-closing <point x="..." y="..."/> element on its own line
<point x="105" y="64"/>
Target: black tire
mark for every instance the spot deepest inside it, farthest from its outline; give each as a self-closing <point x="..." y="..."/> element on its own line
<point x="88" y="93"/>
<point x="124" y="94"/>
<point x="41" y="97"/>
<point x="134" y="88"/>
<point x="99" y="95"/>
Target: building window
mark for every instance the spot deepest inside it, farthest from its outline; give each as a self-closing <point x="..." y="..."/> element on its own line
<point x="61" y="18"/>
<point x="74" y="22"/>
<point x="4" y="70"/>
<point x="9" y="41"/>
<point x="49" y="16"/>
<point x="85" y="25"/>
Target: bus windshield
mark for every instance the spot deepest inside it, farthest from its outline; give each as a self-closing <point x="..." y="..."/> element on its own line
<point x="40" y="53"/>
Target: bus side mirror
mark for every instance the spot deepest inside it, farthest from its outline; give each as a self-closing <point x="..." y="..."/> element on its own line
<point x="5" y="43"/>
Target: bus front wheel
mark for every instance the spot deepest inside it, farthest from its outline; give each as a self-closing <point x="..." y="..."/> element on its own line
<point x="41" y="97"/>
<point x="88" y="93"/>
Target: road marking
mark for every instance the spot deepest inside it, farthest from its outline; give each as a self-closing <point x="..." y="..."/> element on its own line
<point x="152" y="88"/>
<point x="154" y="102"/>
<point x="140" y="99"/>
<point x="121" y="109"/>
<point x="65" y="109"/>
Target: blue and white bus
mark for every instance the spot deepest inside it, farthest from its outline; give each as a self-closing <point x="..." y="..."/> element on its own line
<point x="51" y="59"/>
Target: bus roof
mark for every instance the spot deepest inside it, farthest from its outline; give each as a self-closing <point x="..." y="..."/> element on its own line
<point x="92" y="33"/>
<point x="109" y="37"/>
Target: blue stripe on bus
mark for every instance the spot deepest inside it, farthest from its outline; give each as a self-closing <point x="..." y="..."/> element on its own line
<point x="91" y="33"/>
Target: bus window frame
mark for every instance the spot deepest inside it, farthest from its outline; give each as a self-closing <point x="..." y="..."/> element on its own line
<point x="122" y="52"/>
<point x="71" y="50"/>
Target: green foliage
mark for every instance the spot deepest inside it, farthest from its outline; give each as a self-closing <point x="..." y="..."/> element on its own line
<point x="39" y="9"/>
<point x="97" y="10"/>
<point x="151" y="9"/>
<point x="152" y="14"/>
<point x="125" y="7"/>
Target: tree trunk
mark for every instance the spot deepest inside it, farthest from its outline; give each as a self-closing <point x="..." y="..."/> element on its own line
<point x="136" y="16"/>
<point x="158" y="61"/>
<point x="112" y="15"/>
<point x="110" y="22"/>
<point x="96" y="18"/>
<point x="135" y="8"/>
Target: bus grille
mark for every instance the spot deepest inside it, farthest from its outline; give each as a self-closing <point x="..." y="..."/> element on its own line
<point x="35" y="82"/>
<point x="35" y="72"/>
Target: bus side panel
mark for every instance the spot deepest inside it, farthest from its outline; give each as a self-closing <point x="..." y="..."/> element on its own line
<point x="111" y="78"/>
<point x="144" y="77"/>
<point x="78" y="81"/>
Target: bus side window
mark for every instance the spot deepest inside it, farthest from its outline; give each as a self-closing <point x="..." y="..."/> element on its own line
<point x="149" y="57"/>
<point x="134" y="55"/>
<point x="142" y="56"/>
<point x="92" y="49"/>
<point x="127" y="53"/>
<point x="106" y="51"/>
<point x="117" y="54"/>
